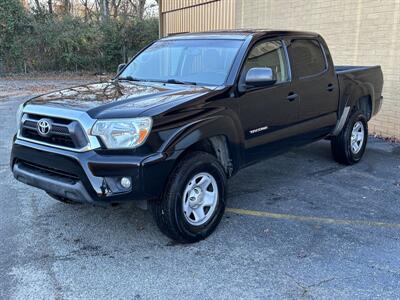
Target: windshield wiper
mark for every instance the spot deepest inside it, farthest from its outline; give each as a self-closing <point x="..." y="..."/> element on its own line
<point x="130" y="78"/>
<point x="175" y="81"/>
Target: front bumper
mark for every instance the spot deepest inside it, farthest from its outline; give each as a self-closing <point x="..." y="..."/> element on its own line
<point x="90" y="176"/>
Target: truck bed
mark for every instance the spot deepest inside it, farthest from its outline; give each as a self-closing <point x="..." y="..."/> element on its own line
<point x="370" y="77"/>
<point x="347" y="69"/>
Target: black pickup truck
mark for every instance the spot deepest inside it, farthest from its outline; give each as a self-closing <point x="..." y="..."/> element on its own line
<point x="185" y="114"/>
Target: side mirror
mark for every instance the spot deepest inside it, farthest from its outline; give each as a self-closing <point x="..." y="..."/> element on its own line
<point x="120" y="67"/>
<point x="257" y="77"/>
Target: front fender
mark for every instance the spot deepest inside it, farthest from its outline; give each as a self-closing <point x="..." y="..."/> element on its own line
<point x="205" y="128"/>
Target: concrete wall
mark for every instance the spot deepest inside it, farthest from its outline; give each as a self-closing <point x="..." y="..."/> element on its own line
<point x="359" y="32"/>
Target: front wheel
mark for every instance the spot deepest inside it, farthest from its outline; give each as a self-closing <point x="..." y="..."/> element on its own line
<point x="194" y="199"/>
<point x="349" y="146"/>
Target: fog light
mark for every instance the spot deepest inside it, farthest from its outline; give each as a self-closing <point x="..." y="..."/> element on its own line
<point x="126" y="182"/>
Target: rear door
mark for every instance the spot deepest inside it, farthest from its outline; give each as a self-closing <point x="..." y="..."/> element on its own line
<point x="315" y="82"/>
<point x="268" y="114"/>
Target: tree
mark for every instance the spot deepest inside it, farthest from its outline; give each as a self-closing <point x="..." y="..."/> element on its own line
<point x="38" y="5"/>
<point x="60" y="35"/>
<point x="139" y="7"/>
<point x="104" y="9"/>
<point x="12" y="26"/>
<point x="50" y="6"/>
<point x="66" y="6"/>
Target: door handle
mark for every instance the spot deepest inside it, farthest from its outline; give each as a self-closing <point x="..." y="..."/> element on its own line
<point x="292" y="96"/>
<point x="330" y="87"/>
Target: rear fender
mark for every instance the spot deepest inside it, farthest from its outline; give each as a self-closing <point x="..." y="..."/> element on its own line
<point x="354" y="92"/>
<point x="364" y="91"/>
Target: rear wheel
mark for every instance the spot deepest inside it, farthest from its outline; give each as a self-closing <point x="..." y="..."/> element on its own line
<point x="349" y="146"/>
<point x="194" y="199"/>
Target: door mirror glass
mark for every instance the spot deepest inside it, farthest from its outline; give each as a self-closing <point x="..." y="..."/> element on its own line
<point x="120" y="67"/>
<point x="260" y="77"/>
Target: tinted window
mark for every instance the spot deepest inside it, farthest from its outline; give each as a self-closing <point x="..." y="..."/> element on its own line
<point x="268" y="55"/>
<point x="306" y="58"/>
<point x="201" y="61"/>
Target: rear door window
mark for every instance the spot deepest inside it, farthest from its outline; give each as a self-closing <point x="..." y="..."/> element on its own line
<point x="306" y="58"/>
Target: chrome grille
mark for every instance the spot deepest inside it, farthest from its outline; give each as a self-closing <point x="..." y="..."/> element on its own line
<point x="63" y="132"/>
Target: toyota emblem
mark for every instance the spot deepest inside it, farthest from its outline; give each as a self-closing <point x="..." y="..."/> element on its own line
<point x="44" y="127"/>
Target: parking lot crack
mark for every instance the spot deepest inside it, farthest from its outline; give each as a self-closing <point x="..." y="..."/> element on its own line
<point x="306" y="289"/>
<point x="300" y="285"/>
<point x="387" y="270"/>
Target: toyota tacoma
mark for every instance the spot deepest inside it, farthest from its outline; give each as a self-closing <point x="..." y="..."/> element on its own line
<point x="185" y="114"/>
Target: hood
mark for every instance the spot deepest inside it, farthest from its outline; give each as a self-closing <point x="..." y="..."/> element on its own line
<point x="122" y="98"/>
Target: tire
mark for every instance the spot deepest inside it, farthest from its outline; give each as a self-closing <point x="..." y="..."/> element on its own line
<point x="175" y="215"/>
<point x="344" y="150"/>
<point x="61" y="199"/>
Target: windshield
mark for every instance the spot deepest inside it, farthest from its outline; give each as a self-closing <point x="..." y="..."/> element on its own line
<point x="205" y="62"/>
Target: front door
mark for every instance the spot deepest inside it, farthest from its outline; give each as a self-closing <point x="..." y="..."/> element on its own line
<point x="268" y="113"/>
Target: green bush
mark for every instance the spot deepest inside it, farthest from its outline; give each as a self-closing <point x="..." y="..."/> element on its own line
<point x="12" y="20"/>
<point x="40" y="41"/>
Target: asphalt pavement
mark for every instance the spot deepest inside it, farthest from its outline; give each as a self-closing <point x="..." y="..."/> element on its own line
<point x="297" y="226"/>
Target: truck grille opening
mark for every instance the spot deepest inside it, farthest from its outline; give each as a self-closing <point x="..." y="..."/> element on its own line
<point x="63" y="132"/>
<point x="72" y="178"/>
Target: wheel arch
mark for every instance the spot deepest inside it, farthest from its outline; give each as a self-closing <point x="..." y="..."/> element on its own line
<point x="218" y="136"/>
<point x="361" y="98"/>
<point x="363" y="103"/>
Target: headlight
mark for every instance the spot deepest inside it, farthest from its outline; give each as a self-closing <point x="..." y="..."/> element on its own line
<point x="122" y="133"/>
<point x="19" y="115"/>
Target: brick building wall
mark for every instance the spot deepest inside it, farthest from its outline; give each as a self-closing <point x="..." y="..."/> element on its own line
<point x="196" y="15"/>
<point x="358" y="32"/>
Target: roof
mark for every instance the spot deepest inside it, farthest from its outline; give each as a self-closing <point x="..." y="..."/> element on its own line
<point x="237" y="34"/>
